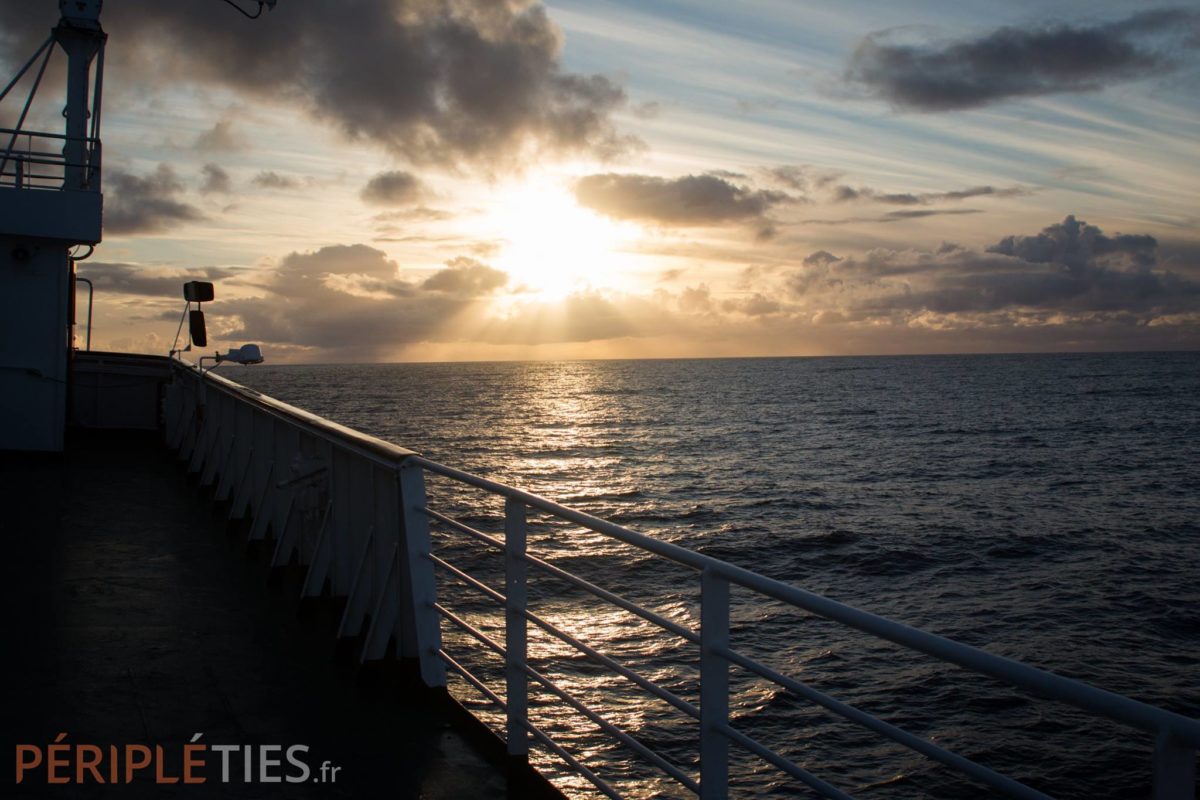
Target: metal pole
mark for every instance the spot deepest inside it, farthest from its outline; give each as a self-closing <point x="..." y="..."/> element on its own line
<point x="91" y="297"/>
<point x="516" y="573"/>
<point x="21" y="72"/>
<point x="81" y="48"/>
<point x="714" y="686"/>
<point x="423" y="582"/>
<point x="25" y="111"/>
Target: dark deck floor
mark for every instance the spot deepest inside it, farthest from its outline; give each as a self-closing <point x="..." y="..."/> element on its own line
<point x="131" y="615"/>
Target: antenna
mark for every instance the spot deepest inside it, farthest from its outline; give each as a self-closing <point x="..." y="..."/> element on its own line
<point x="270" y="4"/>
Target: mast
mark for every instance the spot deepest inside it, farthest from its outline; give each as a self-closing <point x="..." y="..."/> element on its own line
<point x="50" y="203"/>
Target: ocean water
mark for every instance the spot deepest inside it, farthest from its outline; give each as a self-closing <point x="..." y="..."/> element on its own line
<point x="1043" y="507"/>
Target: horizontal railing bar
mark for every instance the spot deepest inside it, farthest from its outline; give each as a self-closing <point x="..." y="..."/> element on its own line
<point x="613" y="731"/>
<point x="538" y="733"/>
<point x="49" y="135"/>
<point x="615" y="599"/>
<point x="372" y="448"/>
<point x="909" y="740"/>
<point x="475" y="582"/>
<point x="1090" y="698"/>
<point x="571" y="578"/>
<point x="471" y="679"/>
<point x="799" y="773"/>
<point x="620" y="669"/>
<point x="571" y="760"/>
<point x="482" y="637"/>
<point x="26" y="157"/>
<point x="490" y="541"/>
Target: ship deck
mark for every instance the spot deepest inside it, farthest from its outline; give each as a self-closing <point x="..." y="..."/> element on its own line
<point x="135" y="615"/>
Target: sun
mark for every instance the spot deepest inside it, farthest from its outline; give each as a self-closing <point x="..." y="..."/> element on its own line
<point x="551" y="247"/>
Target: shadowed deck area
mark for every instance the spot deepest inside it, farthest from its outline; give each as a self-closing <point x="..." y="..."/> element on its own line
<point x="132" y="616"/>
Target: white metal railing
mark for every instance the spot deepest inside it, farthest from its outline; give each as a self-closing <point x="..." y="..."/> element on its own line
<point x="354" y="509"/>
<point x="28" y="160"/>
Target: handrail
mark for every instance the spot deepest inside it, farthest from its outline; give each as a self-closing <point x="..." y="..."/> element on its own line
<point x="1122" y="709"/>
<point x="377" y="448"/>
<point x="21" y="177"/>
<point x="376" y="516"/>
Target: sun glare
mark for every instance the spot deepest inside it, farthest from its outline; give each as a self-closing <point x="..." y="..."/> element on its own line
<point x="553" y="247"/>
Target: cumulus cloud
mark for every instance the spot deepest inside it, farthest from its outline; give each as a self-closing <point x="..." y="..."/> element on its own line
<point x="145" y="203"/>
<point x="466" y="277"/>
<point x="395" y="188"/>
<point x="442" y="81"/>
<point x="353" y="299"/>
<point x="1069" y="268"/>
<point x="689" y="200"/>
<point x="1018" y="62"/>
<point x="1079" y="247"/>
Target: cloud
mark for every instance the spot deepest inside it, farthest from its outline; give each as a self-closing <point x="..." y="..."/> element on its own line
<point x="466" y="277"/>
<point x="216" y="180"/>
<point x="117" y="278"/>
<point x="844" y="193"/>
<point x="145" y="204"/>
<point x="802" y="178"/>
<point x="895" y="216"/>
<point x="1019" y="62"/>
<point x="689" y="200"/>
<point x="396" y="188"/>
<point x="1069" y="268"/>
<point x="433" y="81"/>
<point x="219" y="138"/>
<point x="820" y="258"/>
<point x="757" y="305"/>
<point x="352" y="300"/>
<point x="420" y="214"/>
<point x="269" y="179"/>
<point x="1079" y="247"/>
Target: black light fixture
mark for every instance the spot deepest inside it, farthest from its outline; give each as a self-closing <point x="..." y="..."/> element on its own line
<point x="193" y="292"/>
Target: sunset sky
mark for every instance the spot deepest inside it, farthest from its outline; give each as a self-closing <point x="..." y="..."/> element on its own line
<point x="459" y="179"/>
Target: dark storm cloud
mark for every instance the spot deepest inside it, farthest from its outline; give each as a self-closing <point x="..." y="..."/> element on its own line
<point x="145" y="203"/>
<point x="431" y="80"/>
<point x="146" y="281"/>
<point x="396" y="188"/>
<point x="216" y="180"/>
<point x="690" y="200"/>
<point x="1015" y="62"/>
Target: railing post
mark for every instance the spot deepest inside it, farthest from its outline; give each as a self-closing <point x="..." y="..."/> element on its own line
<point x="1174" y="768"/>
<point x="714" y="686"/>
<point x="427" y="628"/>
<point x="515" y="632"/>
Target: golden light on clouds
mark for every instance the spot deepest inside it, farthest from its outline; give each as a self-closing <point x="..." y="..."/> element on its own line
<point x="551" y="246"/>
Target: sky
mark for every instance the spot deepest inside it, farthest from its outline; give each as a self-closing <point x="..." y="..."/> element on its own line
<point x="432" y="180"/>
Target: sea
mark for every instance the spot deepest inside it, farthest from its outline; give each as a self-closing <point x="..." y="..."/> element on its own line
<point x="1041" y="507"/>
